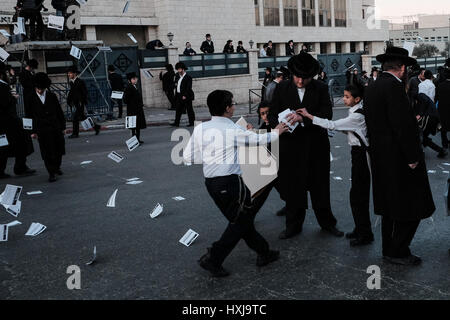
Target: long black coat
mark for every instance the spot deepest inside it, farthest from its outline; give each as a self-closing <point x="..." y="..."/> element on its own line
<point x="48" y="123"/>
<point x="135" y="105"/>
<point x="399" y="192"/>
<point x="19" y="141"/>
<point x="304" y="154"/>
<point x="26" y="81"/>
<point x="78" y="98"/>
<point x="116" y="82"/>
<point x="443" y="100"/>
<point x="185" y="87"/>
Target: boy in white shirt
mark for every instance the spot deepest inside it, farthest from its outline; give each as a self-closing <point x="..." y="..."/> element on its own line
<point x="355" y="128"/>
<point x="427" y="86"/>
<point x="215" y="145"/>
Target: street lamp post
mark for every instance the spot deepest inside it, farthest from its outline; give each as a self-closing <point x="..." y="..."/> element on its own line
<point x="251" y="43"/>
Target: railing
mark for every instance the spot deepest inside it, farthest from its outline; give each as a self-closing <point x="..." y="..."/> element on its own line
<point x="336" y="92"/>
<point x="272" y="62"/>
<point x="153" y="58"/>
<point x="216" y="65"/>
<point x="251" y="93"/>
<point x="431" y="64"/>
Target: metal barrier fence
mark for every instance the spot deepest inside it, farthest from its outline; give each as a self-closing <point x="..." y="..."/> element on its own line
<point x="272" y="62"/>
<point x="216" y="65"/>
<point x="431" y="64"/>
<point x="153" y="58"/>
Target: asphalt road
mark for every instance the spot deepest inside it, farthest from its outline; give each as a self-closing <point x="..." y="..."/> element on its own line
<point x="141" y="258"/>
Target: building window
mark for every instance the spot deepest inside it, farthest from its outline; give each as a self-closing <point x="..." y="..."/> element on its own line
<point x="308" y="13"/>
<point x="338" y="47"/>
<point x="290" y="13"/>
<point x="325" y="13"/>
<point x="340" y="13"/>
<point x="258" y="21"/>
<point x="271" y="13"/>
<point x="353" y="46"/>
<point x="323" y="47"/>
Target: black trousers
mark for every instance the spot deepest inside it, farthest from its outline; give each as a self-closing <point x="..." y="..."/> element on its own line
<point x="171" y="97"/>
<point x="36" y="23"/>
<point x="428" y="142"/>
<point x="136" y="132"/>
<point x="53" y="163"/>
<point x="182" y="105"/>
<point x="360" y="192"/>
<point x="444" y="138"/>
<point x="233" y="199"/>
<point x="19" y="166"/>
<point x="397" y="237"/>
<point x="119" y="105"/>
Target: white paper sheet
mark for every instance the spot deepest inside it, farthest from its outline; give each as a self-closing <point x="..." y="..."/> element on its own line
<point x="189" y="238"/>
<point x="282" y="117"/>
<point x="117" y="95"/>
<point x="75" y="52"/>
<point x="11" y="195"/>
<point x="14" y="210"/>
<point x="157" y="211"/>
<point x="3" y="55"/>
<point x="14" y="223"/>
<point x="409" y="46"/>
<point x="3" y="140"/>
<point x="133" y="179"/>
<point x="130" y="122"/>
<point x="35" y="229"/>
<point x="178" y="198"/>
<point x="94" y="257"/>
<point x="55" y="22"/>
<point x="132" y="37"/>
<point x="134" y="182"/>
<point x="27" y="124"/>
<point x="115" y="157"/>
<point x="112" y="200"/>
<point x="32" y="193"/>
<point x="148" y="74"/>
<point x="337" y="178"/>
<point x="3" y="232"/>
<point x="431" y="171"/>
<point x="132" y="143"/>
<point x="242" y="123"/>
<point x="19" y="26"/>
<point x="88" y="123"/>
<point x="85" y="163"/>
<point x="125" y="8"/>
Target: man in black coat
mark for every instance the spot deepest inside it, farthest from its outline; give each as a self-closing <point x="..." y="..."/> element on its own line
<point x="168" y="82"/>
<point x="19" y="142"/>
<point x="26" y="80"/>
<point x="443" y="101"/>
<point x="30" y="10"/>
<point x="207" y="45"/>
<point x="401" y="190"/>
<point x="116" y="82"/>
<point x="304" y="154"/>
<point x="184" y="95"/>
<point x="78" y="99"/>
<point x="49" y="124"/>
<point x="135" y="105"/>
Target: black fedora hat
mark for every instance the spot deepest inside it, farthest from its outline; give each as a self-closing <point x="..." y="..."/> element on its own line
<point x="41" y="80"/>
<point x="396" y="53"/>
<point x="131" y="75"/>
<point x="303" y="65"/>
<point x="181" y="65"/>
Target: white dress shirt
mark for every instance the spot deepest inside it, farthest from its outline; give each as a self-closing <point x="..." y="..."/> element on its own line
<point x="262" y="53"/>
<point x="301" y="93"/>
<point x="43" y="96"/>
<point x="179" y="83"/>
<point x="215" y="144"/>
<point x="355" y="122"/>
<point x="428" y="88"/>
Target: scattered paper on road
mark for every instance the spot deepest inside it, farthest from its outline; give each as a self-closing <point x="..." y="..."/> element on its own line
<point x="189" y="238"/>
<point x="178" y="198"/>
<point x="134" y="182"/>
<point x="3" y="140"/>
<point x="88" y="123"/>
<point x="115" y="157"/>
<point x="431" y="171"/>
<point x="14" y="223"/>
<point x="337" y="178"/>
<point x="85" y="162"/>
<point x="331" y="157"/>
<point x="94" y="257"/>
<point x="11" y="195"/>
<point x="130" y="122"/>
<point x="3" y="232"/>
<point x="35" y="229"/>
<point x="157" y="211"/>
<point x="132" y="143"/>
<point x="133" y="179"/>
<point x="112" y="200"/>
<point x="14" y="210"/>
<point x="32" y="193"/>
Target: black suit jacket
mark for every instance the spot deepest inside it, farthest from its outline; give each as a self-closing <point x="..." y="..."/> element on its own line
<point x="186" y="87"/>
<point x="206" y="47"/>
<point x="116" y="82"/>
<point x="78" y="94"/>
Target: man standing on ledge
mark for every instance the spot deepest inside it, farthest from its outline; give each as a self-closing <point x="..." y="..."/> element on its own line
<point x="401" y="190"/>
<point x="305" y="153"/>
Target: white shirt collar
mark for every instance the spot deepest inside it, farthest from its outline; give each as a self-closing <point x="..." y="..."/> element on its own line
<point x="393" y="75"/>
<point x="42" y="96"/>
<point x="356" y="107"/>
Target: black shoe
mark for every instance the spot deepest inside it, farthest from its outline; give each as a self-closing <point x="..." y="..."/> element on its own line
<point x="26" y="173"/>
<point x="73" y="136"/>
<point x="352" y="235"/>
<point x="4" y="176"/>
<point x="334" y="231"/>
<point x="174" y="125"/>
<point x="408" y="261"/>
<point x="361" y="241"/>
<point x="216" y="272"/>
<point x="97" y="129"/>
<point x="282" y="212"/>
<point x="264" y="260"/>
<point x="52" y="178"/>
<point x="59" y="172"/>
<point x="290" y="233"/>
<point x="442" y="154"/>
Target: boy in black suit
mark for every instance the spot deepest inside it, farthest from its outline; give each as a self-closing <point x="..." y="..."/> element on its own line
<point x="184" y="95"/>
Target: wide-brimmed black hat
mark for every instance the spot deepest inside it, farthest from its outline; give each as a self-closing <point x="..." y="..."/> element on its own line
<point x="396" y="53"/>
<point x="73" y="69"/>
<point x="131" y="75"/>
<point x="33" y="63"/>
<point x="41" y="80"/>
<point x="180" y="65"/>
<point x="303" y="65"/>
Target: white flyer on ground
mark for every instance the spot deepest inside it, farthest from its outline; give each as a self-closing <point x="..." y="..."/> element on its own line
<point x="130" y="122"/>
<point x="132" y="143"/>
<point x="112" y="200"/>
<point x="75" y="52"/>
<point x="27" y="124"/>
<point x="3" y="140"/>
<point x="94" y="257"/>
<point x="32" y="193"/>
<point x="35" y="229"/>
<point x="3" y="232"/>
<point x="178" y="198"/>
<point x="14" y="223"/>
<point x="157" y="211"/>
<point x="132" y="37"/>
<point x="189" y="238"/>
<point x="14" y="210"/>
<point x="115" y="157"/>
<point x="87" y="124"/>
<point x="135" y="182"/>
<point x="117" y="95"/>
<point x="85" y="163"/>
<point x="55" y="22"/>
<point x="282" y="117"/>
<point x="3" y="55"/>
<point x="11" y="195"/>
